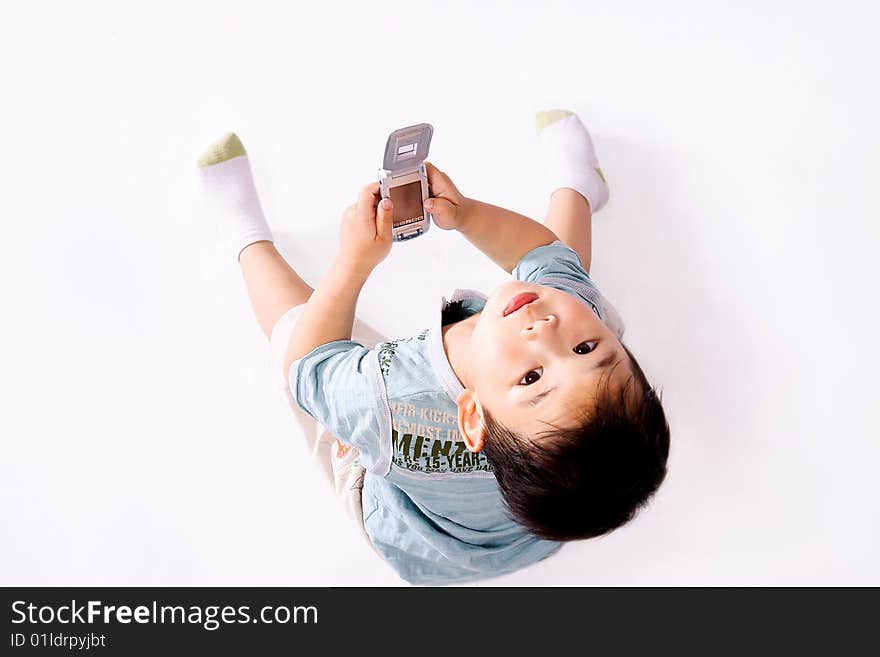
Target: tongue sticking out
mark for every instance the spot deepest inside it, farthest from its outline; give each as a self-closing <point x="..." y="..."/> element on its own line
<point x="518" y="302"/>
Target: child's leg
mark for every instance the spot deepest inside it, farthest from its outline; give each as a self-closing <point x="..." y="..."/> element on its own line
<point x="569" y="216"/>
<point x="577" y="189"/>
<point x="573" y="178"/>
<point x="228" y="188"/>
<point x="272" y="284"/>
<point x="277" y="294"/>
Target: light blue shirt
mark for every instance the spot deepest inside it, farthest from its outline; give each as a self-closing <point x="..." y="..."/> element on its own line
<point x="432" y="508"/>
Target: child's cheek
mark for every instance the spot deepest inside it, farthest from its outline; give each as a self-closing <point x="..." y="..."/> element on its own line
<point x="489" y="344"/>
<point x="503" y="350"/>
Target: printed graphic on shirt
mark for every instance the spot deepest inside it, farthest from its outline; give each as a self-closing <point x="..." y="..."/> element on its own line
<point x="388" y="348"/>
<point x="425" y="439"/>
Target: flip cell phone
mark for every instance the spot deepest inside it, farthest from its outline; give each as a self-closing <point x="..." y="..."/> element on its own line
<point x="404" y="179"/>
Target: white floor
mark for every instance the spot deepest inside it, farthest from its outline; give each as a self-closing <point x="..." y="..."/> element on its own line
<point x="142" y="442"/>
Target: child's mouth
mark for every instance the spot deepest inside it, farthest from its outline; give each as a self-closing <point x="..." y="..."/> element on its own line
<point x="518" y="302"/>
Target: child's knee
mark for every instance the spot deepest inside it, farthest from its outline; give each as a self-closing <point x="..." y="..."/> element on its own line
<point x="280" y="338"/>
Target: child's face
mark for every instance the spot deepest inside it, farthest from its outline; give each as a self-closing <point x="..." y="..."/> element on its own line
<point x="555" y="344"/>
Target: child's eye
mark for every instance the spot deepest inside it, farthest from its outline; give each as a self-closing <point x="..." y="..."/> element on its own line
<point x="586" y="346"/>
<point x="531" y="376"/>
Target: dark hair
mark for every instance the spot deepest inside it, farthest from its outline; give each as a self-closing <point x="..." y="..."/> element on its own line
<point x="584" y="482"/>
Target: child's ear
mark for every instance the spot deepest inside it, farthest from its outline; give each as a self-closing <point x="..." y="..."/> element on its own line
<point x="470" y="420"/>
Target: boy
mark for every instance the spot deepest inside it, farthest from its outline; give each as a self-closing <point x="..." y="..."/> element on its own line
<point x="512" y="424"/>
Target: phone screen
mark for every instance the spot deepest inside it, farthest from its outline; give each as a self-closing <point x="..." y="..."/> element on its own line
<point x="407" y="200"/>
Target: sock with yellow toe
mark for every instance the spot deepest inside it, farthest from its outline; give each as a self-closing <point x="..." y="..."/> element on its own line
<point x="568" y="157"/>
<point x="230" y="195"/>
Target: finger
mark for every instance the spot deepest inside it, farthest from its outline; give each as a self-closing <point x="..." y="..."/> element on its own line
<point x="368" y="197"/>
<point x="370" y="188"/>
<point x="432" y="171"/>
<point x="437" y="178"/>
<point x="384" y="218"/>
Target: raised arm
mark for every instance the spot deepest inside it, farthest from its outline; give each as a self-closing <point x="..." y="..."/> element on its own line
<point x="365" y="240"/>
<point x="329" y="313"/>
<point x="503" y="235"/>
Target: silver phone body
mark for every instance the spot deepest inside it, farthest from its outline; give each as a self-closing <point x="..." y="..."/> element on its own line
<point x="404" y="179"/>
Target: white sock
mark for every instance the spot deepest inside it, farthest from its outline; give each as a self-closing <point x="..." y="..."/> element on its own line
<point x="230" y="195"/>
<point x="568" y="157"/>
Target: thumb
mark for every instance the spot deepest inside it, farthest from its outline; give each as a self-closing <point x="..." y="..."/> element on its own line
<point x="384" y="218"/>
<point x="441" y="209"/>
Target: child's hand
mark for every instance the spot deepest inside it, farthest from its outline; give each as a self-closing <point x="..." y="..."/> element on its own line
<point x="365" y="230"/>
<point x="446" y="205"/>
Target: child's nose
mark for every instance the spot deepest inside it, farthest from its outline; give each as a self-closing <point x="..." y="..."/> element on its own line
<point x="541" y="324"/>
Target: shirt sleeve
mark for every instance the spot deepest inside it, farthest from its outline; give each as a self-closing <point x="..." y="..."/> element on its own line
<point x="559" y="266"/>
<point x="332" y="384"/>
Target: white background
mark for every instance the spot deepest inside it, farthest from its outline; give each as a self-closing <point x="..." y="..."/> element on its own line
<point x="142" y="440"/>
